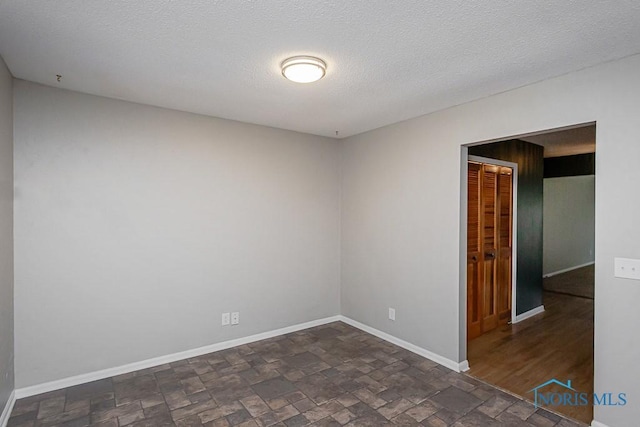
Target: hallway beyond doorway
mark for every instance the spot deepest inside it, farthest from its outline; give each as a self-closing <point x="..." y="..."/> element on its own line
<point x="555" y="344"/>
<point x="577" y="283"/>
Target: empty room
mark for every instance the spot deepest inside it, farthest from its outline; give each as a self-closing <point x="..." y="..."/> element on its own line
<point x="257" y="214"/>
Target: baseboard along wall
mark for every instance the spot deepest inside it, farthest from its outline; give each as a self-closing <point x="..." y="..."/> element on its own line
<point x="528" y="314"/>
<point x="566" y="270"/>
<point x="149" y="363"/>
<point x="455" y="366"/>
<point x="6" y="412"/>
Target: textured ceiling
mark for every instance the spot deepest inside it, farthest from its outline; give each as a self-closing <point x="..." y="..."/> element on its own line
<point x="566" y="142"/>
<point x="387" y="60"/>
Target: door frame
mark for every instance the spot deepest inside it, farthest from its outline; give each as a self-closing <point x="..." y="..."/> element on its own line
<point x="514" y="223"/>
<point x="462" y="319"/>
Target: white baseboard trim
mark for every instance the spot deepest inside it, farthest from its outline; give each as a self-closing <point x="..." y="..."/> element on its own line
<point x="6" y="413"/>
<point x="458" y="367"/>
<point x="595" y="423"/>
<point x="156" y="361"/>
<point x="566" y="270"/>
<point x="528" y="314"/>
<point x="149" y="363"/>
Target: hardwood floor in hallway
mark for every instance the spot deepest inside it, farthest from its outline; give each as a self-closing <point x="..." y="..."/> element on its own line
<point x="555" y="344"/>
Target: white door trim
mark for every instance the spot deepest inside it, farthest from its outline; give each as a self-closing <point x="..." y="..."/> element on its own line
<point x="514" y="223"/>
<point x="464" y="160"/>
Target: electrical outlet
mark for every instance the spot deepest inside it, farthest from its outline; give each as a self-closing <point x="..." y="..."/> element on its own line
<point x="235" y="318"/>
<point x="627" y="268"/>
<point x="392" y="313"/>
<point x="226" y="319"/>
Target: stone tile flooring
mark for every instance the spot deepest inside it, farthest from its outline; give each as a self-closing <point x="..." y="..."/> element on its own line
<point x="331" y="375"/>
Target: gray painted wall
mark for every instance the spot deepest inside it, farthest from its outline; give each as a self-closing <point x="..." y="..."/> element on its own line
<point x="98" y="181"/>
<point x="569" y="222"/>
<point x="136" y="227"/>
<point x="6" y="235"/>
<point x="401" y="216"/>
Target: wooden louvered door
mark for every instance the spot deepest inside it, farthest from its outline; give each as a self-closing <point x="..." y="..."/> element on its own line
<point x="489" y="250"/>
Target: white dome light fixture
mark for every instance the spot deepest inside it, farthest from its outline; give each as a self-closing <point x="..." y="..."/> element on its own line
<point x="303" y="69"/>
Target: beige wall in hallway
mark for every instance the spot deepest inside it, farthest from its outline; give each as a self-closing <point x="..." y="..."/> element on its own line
<point x="569" y="222"/>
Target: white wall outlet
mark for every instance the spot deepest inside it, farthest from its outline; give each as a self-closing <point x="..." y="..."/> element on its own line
<point x="627" y="268"/>
<point x="235" y="318"/>
<point x="392" y="313"/>
<point x="226" y="319"/>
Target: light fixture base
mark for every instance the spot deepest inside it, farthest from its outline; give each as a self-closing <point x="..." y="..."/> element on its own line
<point x="303" y="69"/>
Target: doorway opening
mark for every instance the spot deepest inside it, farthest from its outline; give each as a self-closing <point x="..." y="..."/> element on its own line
<point x="547" y="333"/>
<point x="491" y="191"/>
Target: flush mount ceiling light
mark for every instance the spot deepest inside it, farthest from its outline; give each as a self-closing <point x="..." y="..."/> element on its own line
<point x="303" y="69"/>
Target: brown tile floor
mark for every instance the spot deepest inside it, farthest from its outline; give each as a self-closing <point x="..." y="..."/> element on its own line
<point x="331" y="375"/>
